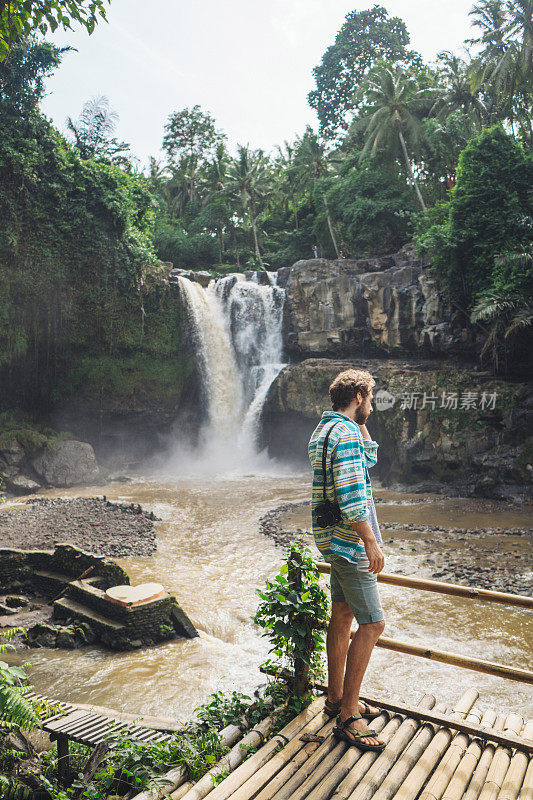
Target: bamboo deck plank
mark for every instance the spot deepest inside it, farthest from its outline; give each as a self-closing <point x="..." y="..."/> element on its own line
<point x="230" y="761"/>
<point x="297" y="786"/>
<point x="181" y="790"/>
<point x="349" y="758"/>
<point x="517" y="769"/>
<point x="451" y="758"/>
<point x="526" y="793"/>
<point x="294" y="765"/>
<point x="500" y="763"/>
<point x="408" y="758"/>
<point x="480" y="773"/>
<point x="278" y="760"/>
<point x="247" y="769"/>
<point x="465" y="769"/>
<point x="416" y="778"/>
<point x="385" y="761"/>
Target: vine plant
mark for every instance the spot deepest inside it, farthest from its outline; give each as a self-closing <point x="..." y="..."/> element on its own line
<point x="293" y="614"/>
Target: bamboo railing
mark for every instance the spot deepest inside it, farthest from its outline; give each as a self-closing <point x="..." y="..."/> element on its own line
<point x="443" y="656"/>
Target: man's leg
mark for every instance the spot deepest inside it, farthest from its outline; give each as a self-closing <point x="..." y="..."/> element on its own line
<point x="337" y="643"/>
<point x="359" y="653"/>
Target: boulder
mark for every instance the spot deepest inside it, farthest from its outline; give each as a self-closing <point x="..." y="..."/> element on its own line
<point x="17" y="483"/>
<point x="11" y="451"/>
<point x="68" y="463"/>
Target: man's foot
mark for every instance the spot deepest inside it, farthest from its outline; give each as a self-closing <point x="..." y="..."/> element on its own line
<point x="350" y="729"/>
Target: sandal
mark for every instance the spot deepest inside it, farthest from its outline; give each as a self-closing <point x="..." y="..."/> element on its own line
<point x="366" y="713"/>
<point x="332" y="709"/>
<point x="352" y="736"/>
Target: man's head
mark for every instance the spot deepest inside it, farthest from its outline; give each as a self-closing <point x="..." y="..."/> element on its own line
<point x="351" y="394"/>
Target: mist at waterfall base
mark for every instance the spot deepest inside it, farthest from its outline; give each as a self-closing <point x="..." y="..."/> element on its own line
<point x="236" y="328"/>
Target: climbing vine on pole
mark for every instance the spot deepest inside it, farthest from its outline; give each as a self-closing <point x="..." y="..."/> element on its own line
<point x="293" y="614"/>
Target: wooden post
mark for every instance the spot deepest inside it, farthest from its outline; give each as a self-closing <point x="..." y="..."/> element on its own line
<point x="301" y="667"/>
<point x="62" y="758"/>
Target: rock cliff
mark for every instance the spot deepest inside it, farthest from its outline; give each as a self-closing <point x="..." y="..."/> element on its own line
<point x="370" y="306"/>
<point x="438" y="426"/>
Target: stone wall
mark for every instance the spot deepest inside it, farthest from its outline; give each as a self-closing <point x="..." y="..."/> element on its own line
<point x="17" y="567"/>
<point x="484" y="451"/>
<point x="368" y="307"/>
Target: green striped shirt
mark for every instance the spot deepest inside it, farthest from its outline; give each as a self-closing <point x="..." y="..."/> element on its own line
<point x="347" y="461"/>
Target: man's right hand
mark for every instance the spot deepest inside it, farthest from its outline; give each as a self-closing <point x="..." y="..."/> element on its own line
<point x="376" y="559"/>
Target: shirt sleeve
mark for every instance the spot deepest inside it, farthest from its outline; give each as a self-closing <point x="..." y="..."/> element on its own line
<point x="371" y="452"/>
<point x="349" y="477"/>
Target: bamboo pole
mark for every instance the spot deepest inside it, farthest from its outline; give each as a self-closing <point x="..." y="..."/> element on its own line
<point x="517" y="769"/>
<point x="268" y="771"/>
<point x="294" y="787"/>
<point x="436" y="786"/>
<point x="408" y="758"/>
<point x="416" y="778"/>
<point x="279" y="782"/>
<point x="230" y="761"/>
<point x="376" y="774"/>
<point x="526" y="792"/>
<point x="228" y="736"/>
<point x="500" y="763"/>
<point x="480" y="773"/>
<point x="335" y="752"/>
<point x="247" y="769"/>
<point x="476" y="664"/>
<point x="471" y="592"/>
<point x="349" y="756"/>
<point x="183" y="789"/>
<point x="468" y="763"/>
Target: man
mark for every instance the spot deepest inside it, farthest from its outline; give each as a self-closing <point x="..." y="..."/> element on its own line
<point x="352" y="546"/>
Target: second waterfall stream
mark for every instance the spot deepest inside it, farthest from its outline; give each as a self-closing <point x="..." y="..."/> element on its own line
<point x="237" y="324"/>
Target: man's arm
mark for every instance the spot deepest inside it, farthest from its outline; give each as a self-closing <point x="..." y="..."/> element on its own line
<point x="376" y="559"/>
<point x="364" y="432"/>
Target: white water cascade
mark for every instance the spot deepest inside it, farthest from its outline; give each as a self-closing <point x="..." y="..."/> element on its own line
<point x="238" y="327"/>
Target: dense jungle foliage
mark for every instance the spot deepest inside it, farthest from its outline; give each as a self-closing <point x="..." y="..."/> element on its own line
<point x="440" y="152"/>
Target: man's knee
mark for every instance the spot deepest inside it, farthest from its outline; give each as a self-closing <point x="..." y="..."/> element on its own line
<point x="341" y="613"/>
<point x="373" y="629"/>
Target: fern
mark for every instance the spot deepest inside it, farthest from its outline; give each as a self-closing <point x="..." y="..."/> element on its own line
<point x="16" y="711"/>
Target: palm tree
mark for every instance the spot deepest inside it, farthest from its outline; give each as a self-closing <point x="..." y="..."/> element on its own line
<point x="508" y="311"/>
<point x="311" y="162"/>
<point x="92" y="133"/>
<point x="457" y="92"/>
<point x="249" y="182"/>
<point x="390" y="101"/>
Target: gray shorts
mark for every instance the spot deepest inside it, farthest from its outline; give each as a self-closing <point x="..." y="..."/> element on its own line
<point x="355" y="585"/>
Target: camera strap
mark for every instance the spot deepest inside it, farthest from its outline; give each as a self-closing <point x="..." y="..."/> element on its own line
<point x="324" y="452"/>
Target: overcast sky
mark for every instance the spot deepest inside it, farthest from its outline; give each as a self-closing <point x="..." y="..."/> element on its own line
<point x="247" y="62"/>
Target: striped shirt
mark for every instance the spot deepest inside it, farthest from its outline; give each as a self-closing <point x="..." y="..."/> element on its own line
<point x="348" y="459"/>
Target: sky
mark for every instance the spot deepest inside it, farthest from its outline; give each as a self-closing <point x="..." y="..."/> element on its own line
<point x="248" y="62"/>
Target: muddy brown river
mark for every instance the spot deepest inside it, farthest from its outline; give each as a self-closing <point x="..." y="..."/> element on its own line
<point x="212" y="556"/>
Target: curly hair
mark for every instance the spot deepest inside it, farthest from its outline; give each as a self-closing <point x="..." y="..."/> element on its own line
<point x="346" y="386"/>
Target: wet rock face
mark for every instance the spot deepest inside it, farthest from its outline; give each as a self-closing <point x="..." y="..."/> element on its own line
<point x="479" y="448"/>
<point x="379" y="306"/>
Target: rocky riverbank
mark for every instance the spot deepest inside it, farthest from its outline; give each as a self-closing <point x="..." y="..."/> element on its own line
<point x="92" y="523"/>
<point x="493" y="557"/>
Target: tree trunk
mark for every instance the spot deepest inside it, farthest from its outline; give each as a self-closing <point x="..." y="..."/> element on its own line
<point x="330" y="226"/>
<point x="410" y="169"/>
<point x="254" y="229"/>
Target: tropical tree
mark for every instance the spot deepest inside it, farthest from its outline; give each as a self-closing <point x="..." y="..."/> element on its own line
<point x="249" y="181"/>
<point x="92" y="133"/>
<point x="507" y="308"/>
<point x="391" y="102"/>
<point x="364" y="38"/>
<point x="20" y="19"/>
<point x="311" y="164"/>
<point x="455" y="90"/>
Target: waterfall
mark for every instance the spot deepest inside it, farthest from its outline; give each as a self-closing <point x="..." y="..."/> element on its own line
<point x="237" y="323"/>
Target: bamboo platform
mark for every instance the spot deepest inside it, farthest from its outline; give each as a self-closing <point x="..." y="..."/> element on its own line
<point x="431" y="754"/>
